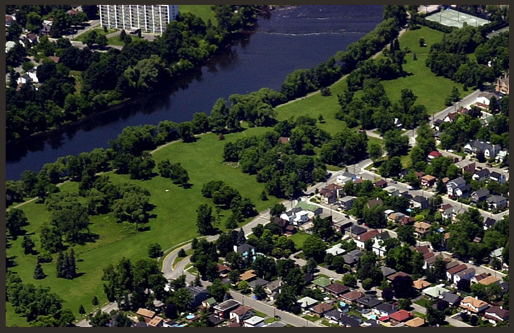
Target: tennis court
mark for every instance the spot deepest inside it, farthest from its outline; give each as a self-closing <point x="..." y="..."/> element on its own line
<point x="453" y="18"/>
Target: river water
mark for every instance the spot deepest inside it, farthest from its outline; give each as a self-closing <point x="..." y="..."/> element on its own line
<point x="292" y="38"/>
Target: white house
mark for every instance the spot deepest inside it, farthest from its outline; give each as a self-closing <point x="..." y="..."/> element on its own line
<point x="378" y="247"/>
<point x="473" y="305"/>
<point x="453" y="185"/>
<point x="360" y="240"/>
<point x="465" y="274"/>
<point x="335" y="250"/>
<point x="307" y="302"/>
<point x="484" y="99"/>
<point x="393" y="191"/>
<point x="497" y="177"/>
<point x="345" y="178"/>
<point x="254" y="322"/>
<point x="296" y="216"/>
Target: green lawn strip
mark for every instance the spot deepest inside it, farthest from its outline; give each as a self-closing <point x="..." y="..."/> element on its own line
<point x="203" y="11"/>
<point x="270" y="320"/>
<point x="419" y="314"/>
<point x="173" y="222"/>
<point x="356" y="313"/>
<point x="298" y="239"/>
<point x="99" y="31"/>
<point x="79" y="82"/>
<point x="329" y="324"/>
<point x="422" y="302"/>
<point x="311" y="318"/>
<point x="116" y="40"/>
<point x="406" y="161"/>
<point x="179" y="259"/>
<point x="260" y="314"/>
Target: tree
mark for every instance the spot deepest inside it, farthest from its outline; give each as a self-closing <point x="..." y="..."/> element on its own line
<point x="15" y="221"/>
<point x="82" y="310"/>
<point x="314" y="247"/>
<point x="404" y="304"/>
<point x="367" y="284"/>
<point x="28" y="245"/>
<point x="435" y="316"/>
<point x="91" y="38"/>
<point x="155" y="250"/>
<point x="185" y="131"/>
<point x="264" y="197"/>
<point x="286" y="299"/>
<point x="259" y="292"/>
<point x="277" y="209"/>
<point x="375" y="151"/>
<point x="403" y="287"/>
<point x="395" y="143"/>
<point x="464" y="285"/>
<point x="34" y="22"/>
<point x="406" y="234"/>
<point x="414" y="57"/>
<point x="387" y="294"/>
<point x="243" y="287"/>
<point x="38" y="272"/>
<point x="204" y="219"/>
<point x="123" y="35"/>
<point x="421" y="41"/>
<point x="350" y="280"/>
<point x="95" y="301"/>
<point x="217" y="290"/>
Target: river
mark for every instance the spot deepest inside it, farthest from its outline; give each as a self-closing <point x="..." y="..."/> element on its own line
<point x="292" y="38"/>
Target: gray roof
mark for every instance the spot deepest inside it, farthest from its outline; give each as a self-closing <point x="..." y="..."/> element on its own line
<point x="465" y="188"/>
<point x="244" y="248"/>
<point x="227" y="305"/>
<point x="483" y="173"/>
<point x="482" y="145"/>
<point x="197" y="291"/>
<point x="383" y="236"/>
<point x="352" y="257"/>
<point x="373" y="323"/>
<point x="348" y="198"/>
<point x="451" y="297"/>
<point x="386" y="307"/>
<point x="369" y="301"/>
<point x="495" y="174"/>
<point x="273" y="284"/>
<point x="386" y="271"/>
<point x="466" y="272"/>
<point x="457" y="181"/>
<point x="357" y="229"/>
<point x="419" y="199"/>
<point x="406" y="194"/>
<point x="496" y="199"/>
<point x="482" y="193"/>
<point x="257" y="282"/>
<point x="489" y="222"/>
<point x="349" y="320"/>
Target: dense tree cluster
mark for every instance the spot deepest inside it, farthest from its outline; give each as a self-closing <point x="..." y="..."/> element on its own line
<point x="66" y="267"/>
<point x="39" y="305"/>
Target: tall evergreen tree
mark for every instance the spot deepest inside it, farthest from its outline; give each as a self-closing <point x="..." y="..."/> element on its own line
<point x="71" y="269"/>
<point x="38" y="272"/>
<point x="241" y="239"/>
<point x="61" y="265"/>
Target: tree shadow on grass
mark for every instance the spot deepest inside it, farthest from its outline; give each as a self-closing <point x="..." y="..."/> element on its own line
<point x="187" y="186"/>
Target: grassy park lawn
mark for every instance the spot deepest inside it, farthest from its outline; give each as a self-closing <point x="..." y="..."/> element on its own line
<point x="116" y="40"/>
<point x="99" y="31"/>
<point x="298" y="239"/>
<point x="173" y="221"/>
<point x="203" y="11"/>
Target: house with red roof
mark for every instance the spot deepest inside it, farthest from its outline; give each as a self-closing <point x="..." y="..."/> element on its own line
<point x="401" y="316"/>
<point x="433" y="154"/>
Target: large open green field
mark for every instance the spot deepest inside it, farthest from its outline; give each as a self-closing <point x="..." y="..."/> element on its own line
<point x="174" y="222"/>
<point x="431" y="90"/>
<point x="203" y="11"/>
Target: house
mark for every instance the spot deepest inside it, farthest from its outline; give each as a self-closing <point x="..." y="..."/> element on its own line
<point x="281" y="223"/>
<point x="248" y="275"/>
<point x="351" y="296"/>
<point x="497" y="202"/>
<point x="368" y="302"/>
<point x="466" y="166"/>
<point x="484" y="99"/>
<point x="254" y="322"/>
<point x="435" y="291"/>
<point x="421" y="228"/>
<point x="451" y="298"/>
<point x="169" y="323"/>
<point x="352" y="257"/>
<point x="421" y="284"/>
<point x="447" y="211"/>
<point x="489" y="280"/>
<point x="496" y="314"/>
<point x="223" y="270"/>
<point x="502" y="85"/>
<point x="223" y="309"/>
<point x="453" y="185"/>
<point x="406" y="194"/>
<point x="502" y="156"/>
<point x="393" y="191"/>
<point x="385" y="309"/>
<point x="463" y="192"/>
<point x="273" y="287"/>
<point x="395" y="275"/>
<point x="257" y="282"/>
<point x="378" y="244"/>
<point x="145" y="313"/>
<point x="451" y="265"/>
<point x="437" y="123"/>
<point x="349" y="321"/>
<point x="331" y="193"/>
<point x="246" y="250"/>
<point x="473" y="305"/>
<point x="421" y="249"/>
<point x="321" y="282"/>
<point x="307" y="302"/>
<point x="428" y="180"/>
<point x="396" y="216"/>
<point x="209" y="303"/>
<point x="347" y="202"/>
<point x="283" y="140"/>
<point x="490" y="151"/>
<point x="335" y="250"/>
<point x="380" y="183"/>
<point x="290" y="230"/>
<point x="357" y="230"/>
<point x="496" y="253"/>
<point x="360" y="240"/>
<point x="386" y="271"/>
<point x="466" y="274"/>
<point x="336" y="289"/>
<point x="419" y="202"/>
<point x="497" y="177"/>
<point x="481" y="175"/>
<point x="450" y="118"/>
<point x="241" y="313"/>
<point x="401" y="316"/>
<point x="433" y="154"/>
<point x="296" y="216"/>
<point x="477" y="278"/>
<point x="321" y="309"/>
<point x="345" y="178"/>
<point x="450" y="274"/>
<point x="406" y="220"/>
<point x="199" y="295"/>
<point x="416" y="322"/>
<point x="489" y="223"/>
<point x="9" y="19"/>
<point x="156" y="322"/>
<point x="375" y="202"/>
<point x="479" y="195"/>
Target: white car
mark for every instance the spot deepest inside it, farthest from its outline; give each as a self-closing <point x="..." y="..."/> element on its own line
<point x="409" y="187"/>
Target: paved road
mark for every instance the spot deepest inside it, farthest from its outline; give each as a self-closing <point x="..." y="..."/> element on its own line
<point x="108" y="308"/>
<point x="91" y="24"/>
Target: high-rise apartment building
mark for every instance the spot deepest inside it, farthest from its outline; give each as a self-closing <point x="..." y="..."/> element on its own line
<point x="148" y="18"/>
